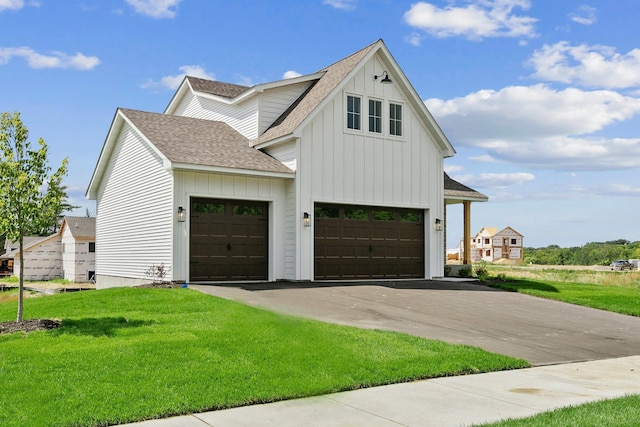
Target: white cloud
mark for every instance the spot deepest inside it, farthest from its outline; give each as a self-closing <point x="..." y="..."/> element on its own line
<point x="453" y="168"/>
<point x="542" y="127"/>
<point x="495" y="180"/>
<point x="478" y="20"/>
<point x="11" y="4"/>
<point x="54" y="60"/>
<point x="291" y="74"/>
<point x="172" y="82"/>
<point x="341" y="4"/>
<point x="591" y="66"/>
<point x="155" y="8"/>
<point x="585" y="15"/>
<point x="485" y="158"/>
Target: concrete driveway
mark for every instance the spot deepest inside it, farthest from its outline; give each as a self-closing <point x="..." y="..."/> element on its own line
<point x="541" y="331"/>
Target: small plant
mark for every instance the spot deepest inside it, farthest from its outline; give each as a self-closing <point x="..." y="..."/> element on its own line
<point x="502" y="277"/>
<point x="447" y="270"/>
<point x="158" y="273"/>
<point x="464" y="272"/>
<point x="481" y="271"/>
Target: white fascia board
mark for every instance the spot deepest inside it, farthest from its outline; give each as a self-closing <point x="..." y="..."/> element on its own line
<point x="177" y="97"/>
<point x="276" y="141"/>
<point x="231" y="171"/>
<point x="114" y="132"/>
<point x="105" y="154"/>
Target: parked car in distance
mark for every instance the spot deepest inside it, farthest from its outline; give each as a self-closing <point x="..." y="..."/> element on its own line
<point x="621" y="265"/>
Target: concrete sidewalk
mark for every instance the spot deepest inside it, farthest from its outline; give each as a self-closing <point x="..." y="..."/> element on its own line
<point x="454" y="401"/>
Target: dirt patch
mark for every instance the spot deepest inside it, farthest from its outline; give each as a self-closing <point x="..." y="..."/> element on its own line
<point x="29" y="325"/>
<point x="161" y="285"/>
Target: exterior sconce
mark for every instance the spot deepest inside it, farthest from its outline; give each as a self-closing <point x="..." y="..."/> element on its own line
<point x="385" y="79"/>
<point x="306" y="219"/>
<point x="182" y="214"/>
<point x="438" y="224"/>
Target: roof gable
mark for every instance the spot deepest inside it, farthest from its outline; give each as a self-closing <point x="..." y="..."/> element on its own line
<point x="332" y="81"/>
<point x="80" y="227"/>
<point x="191" y="141"/>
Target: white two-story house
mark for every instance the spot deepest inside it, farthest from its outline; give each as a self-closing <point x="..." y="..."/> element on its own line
<point x="334" y="175"/>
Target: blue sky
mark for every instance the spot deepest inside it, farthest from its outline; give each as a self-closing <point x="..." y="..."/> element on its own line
<point x="540" y="98"/>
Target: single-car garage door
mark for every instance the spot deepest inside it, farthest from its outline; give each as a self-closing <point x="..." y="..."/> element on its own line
<point x="365" y="242"/>
<point x="229" y="240"/>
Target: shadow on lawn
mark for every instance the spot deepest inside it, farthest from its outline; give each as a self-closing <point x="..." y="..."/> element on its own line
<point x="521" y="285"/>
<point x="97" y="327"/>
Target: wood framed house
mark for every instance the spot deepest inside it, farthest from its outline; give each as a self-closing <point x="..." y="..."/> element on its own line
<point x="334" y="175"/>
<point x="492" y="245"/>
<point x="42" y="258"/>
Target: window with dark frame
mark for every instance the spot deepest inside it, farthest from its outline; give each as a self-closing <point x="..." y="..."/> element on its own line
<point x="353" y="112"/>
<point x="514" y="242"/>
<point x="375" y="116"/>
<point x="92" y="246"/>
<point x="395" y="119"/>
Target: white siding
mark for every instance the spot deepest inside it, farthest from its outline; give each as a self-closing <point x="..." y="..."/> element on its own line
<point x="135" y="212"/>
<point x="343" y="166"/>
<point x="275" y="101"/>
<point x="201" y="184"/>
<point x="242" y="117"/>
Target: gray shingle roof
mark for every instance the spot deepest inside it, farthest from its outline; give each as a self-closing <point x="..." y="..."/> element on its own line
<point x="453" y="189"/>
<point x="201" y="142"/>
<point x="81" y="226"/>
<point x="310" y="99"/>
<point x="212" y="87"/>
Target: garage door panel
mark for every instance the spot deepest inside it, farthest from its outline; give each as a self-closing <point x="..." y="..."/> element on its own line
<point x="368" y="242"/>
<point x="228" y="241"/>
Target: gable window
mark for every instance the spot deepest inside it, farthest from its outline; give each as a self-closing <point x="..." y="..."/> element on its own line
<point x="395" y="119"/>
<point x="92" y="246"/>
<point x="353" y="112"/>
<point x="375" y="116"/>
<point x="514" y="242"/>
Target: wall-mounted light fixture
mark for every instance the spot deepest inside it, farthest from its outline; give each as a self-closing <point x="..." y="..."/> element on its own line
<point x="306" y="219"/>
<point x="438" y="224"/>
<point x="384" y="79"/>
<point x="182" y="214"/>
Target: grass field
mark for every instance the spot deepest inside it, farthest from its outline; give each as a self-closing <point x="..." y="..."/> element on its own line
<point x="622" y="412"/>
<point x="123" y="355"/>
<point x="612" y="291"/>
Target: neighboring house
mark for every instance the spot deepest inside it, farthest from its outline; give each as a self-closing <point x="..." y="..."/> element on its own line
<point x="42" y="258"/>
<point x="492" y="245"/>
<point x="332" y="175"/>
<point x="68" y="254"/>
<point x="78" y="248"/>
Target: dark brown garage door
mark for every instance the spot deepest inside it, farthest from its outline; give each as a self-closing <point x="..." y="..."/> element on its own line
<point x="229" y="240"/>
<point x="364" y="242"/>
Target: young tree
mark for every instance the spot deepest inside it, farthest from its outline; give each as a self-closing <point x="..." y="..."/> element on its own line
<point x="29" y="196"/>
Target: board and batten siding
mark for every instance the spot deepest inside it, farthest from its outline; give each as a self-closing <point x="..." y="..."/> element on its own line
<point x="242" y="117"/>
<point x="338" y="165"/>
<point x="135" y="213"/>
<point x="274" y="102"/>
<point x="220" y="186"/>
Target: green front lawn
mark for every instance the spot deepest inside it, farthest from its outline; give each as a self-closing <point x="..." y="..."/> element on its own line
<point x="619" y="299"/>
<point x="620" y="412"/>
<point x="123" y="355"/>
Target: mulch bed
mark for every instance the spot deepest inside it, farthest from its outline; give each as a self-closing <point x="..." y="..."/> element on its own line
<point x="29" y="325"/>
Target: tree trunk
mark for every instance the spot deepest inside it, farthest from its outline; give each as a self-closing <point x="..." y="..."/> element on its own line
<point x="21" y="281"/>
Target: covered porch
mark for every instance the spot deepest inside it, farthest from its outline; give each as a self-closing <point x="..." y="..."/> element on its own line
<point x="457" y="193"/>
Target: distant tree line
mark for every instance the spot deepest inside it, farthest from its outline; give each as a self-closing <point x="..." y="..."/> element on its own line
<point x="593" y="253"/>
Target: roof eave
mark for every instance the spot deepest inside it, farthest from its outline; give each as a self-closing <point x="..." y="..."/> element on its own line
<point x="231" y="171"/>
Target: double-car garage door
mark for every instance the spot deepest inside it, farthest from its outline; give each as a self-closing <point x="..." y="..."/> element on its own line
<point x="230" y="241"/>
<point x="364" y="242"/>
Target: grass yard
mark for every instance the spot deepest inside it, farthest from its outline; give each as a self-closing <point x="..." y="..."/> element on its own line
<point x="619" y="299"/>
<point x="123" y="355"/>
<point x="620" y="412"/>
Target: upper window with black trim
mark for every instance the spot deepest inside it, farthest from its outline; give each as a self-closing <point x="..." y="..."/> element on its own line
<point x="395" y="119"/>
<point x="375" y="116"/>
<point x="353" y="112"/>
